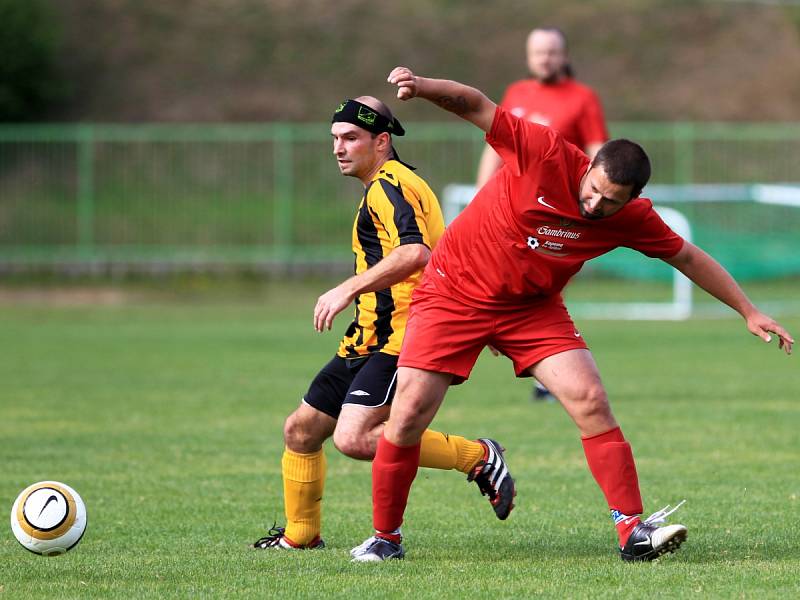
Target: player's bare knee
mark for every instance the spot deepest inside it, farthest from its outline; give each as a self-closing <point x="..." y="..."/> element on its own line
<point x="299" y="436"/>
<point x="352" y="444"/>
<point x="412" y="411"/>
<point x="408" y="426"/>
<point x="292" y="432"/>
<point x="594" y="401"/>
<point x="589" y="401"/>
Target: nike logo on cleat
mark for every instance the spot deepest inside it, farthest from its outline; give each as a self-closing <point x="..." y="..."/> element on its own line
<point x="644" y="543"/>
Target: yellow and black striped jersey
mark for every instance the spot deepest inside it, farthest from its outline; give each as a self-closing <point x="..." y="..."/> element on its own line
<point x="398" y="208"/>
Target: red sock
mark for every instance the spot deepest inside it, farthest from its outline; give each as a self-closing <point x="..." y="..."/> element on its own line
<point x="611" y="462"/>
<point x="392" y="537"/>
<point x="624" y="526"/>
<point x="393" y="471"/>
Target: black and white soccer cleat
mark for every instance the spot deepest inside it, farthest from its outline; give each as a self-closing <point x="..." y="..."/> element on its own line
<point x="494" y="479"/>
<point x="377" y="549"/>
<point x="276" y="539"/>
<point x="649" y="541"/>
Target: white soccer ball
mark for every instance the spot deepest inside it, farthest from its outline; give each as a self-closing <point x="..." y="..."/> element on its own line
<point x="48" y="518"/>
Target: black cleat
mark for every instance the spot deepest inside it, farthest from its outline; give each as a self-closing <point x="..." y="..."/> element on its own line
<point x="276" y="539"/>
<point x="648" y="541"/>
<point x="493" y="478"/>
<point x="377" y="549"/>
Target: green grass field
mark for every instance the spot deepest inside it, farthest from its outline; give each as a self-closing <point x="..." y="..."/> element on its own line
<point x="166" y="416"/>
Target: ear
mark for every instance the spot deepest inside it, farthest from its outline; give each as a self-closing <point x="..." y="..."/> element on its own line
<point x="384" y="142"/>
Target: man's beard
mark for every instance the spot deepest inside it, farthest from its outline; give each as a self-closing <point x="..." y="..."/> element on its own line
<point x="550" y="79"/>
<point x="587" y="215"/>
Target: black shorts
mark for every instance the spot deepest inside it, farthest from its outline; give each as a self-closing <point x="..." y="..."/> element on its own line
<point x="366" y="381"/>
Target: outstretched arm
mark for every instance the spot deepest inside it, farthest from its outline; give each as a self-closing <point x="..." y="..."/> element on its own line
<point x="465" y="101"/>
<point x="713" y="278"/>
<point x="394" y="268"/>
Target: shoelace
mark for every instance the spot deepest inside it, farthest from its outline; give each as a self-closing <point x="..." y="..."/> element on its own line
<point x="273" y="535"/>
<point x="660" y="516"/>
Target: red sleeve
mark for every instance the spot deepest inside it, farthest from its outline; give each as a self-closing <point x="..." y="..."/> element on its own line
<point x="650" y="235"/>
<point x="593" y="124"/>
<point x="520" y="143"/>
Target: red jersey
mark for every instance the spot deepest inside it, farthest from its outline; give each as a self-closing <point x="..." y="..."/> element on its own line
<point x="569" y="107"/>
<point x="523" y="235"/>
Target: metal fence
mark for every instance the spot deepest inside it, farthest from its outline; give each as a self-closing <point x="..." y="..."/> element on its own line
<point x="271" y="193"/>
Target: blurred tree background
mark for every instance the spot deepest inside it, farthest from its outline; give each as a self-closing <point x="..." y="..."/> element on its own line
<point x="267" y="60"/>
<point x="31" y="84"/>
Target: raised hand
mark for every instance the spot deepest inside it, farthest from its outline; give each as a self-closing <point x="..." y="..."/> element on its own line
<point x="405" y="81"/>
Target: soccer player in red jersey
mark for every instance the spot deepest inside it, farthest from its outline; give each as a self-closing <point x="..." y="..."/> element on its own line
<point x="552" y="97"/>
<point x="495" y="278"/>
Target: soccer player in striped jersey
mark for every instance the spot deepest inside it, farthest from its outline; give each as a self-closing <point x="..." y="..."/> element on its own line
<point x="397" y="225"/>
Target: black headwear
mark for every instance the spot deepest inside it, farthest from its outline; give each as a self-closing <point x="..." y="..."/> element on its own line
<point x="361" y="115"/>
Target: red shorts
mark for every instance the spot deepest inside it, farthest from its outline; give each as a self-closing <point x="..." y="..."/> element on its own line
<point x="446" y="336"/>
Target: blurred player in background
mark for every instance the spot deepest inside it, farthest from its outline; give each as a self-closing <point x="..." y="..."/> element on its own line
<point x="551" y="97"/>
<point x="397" y="225"/>
<point x="496" y="277"/>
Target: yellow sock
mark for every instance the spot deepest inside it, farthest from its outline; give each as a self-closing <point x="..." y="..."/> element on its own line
<point x="303" y="482"/>
<point x="444" y="451"/>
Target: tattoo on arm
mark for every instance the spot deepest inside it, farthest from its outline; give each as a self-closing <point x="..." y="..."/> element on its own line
<point x="457" y="105"/>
